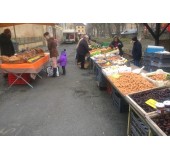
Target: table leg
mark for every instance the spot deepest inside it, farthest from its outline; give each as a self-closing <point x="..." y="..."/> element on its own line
<point x="19" y="77"/>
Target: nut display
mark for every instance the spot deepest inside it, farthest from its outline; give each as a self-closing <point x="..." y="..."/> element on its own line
<point x="129" y="83"/>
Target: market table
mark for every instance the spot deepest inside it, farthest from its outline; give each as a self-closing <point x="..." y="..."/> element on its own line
<point x="19" y="69"/>
<point x="137" y="121"/>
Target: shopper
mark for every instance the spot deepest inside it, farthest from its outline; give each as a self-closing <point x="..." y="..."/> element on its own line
<point x="76" y="57"/>
<point x="136" y="51"/>
<point x="6" y="45"/>
<point x="83" y="50"/>
<point x="52" y="47"/>
<point x="63" y="61"/>
<point x="116" y="43"/>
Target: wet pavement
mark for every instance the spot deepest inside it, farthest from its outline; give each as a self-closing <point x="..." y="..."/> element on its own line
<point x="70" y="105"/>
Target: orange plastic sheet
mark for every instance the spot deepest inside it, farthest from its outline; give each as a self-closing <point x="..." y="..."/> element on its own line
<point x="34" y="67"/>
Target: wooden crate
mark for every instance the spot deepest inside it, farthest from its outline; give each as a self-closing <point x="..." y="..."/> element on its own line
<point x="153" y="125"/>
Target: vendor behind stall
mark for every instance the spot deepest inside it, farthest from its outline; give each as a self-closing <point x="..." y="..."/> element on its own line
<point x="6" y="45"/>
<point x="116" y="43"/>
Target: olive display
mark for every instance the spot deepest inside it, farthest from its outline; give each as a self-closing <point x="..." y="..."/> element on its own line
<point x="163" y="121"/>
<point x="160" y="95"/>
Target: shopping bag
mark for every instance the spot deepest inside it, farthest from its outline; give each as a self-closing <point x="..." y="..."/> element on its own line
<point x="49" y="71"/>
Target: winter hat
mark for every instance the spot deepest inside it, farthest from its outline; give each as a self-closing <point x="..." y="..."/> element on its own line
<point x="7" y="31"/>
<point x="134" y="39"/>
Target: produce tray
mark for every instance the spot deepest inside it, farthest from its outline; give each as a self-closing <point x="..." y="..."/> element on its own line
<point x="153" y="125"/>
<point x="156" y="82"/>
<point x="139" y="109"/>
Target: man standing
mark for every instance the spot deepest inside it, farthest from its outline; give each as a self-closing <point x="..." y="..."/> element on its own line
<point x="52" y="47"/>
<point x="6" y="44"/>
<point x="82" y="50"/>
<point x="136" y="51"/>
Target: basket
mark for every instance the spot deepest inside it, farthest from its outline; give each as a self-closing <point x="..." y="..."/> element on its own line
<point x="12" y="78"/>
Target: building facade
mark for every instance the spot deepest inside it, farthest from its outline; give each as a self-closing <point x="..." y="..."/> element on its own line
<point x="31" y="35"/>
<point x="80" y="28"/>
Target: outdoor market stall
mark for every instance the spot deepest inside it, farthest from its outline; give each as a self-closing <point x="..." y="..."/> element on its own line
<point x="128" y="89"/>
<point x="32" y="65"/>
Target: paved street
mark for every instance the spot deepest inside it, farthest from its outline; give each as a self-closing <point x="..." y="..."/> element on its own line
<point x="70" y="105"/>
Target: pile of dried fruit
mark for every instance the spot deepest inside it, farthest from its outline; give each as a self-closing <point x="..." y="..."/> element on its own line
<point x="163" y="121"/>
<point x="160" y="95"/>
<point x="129" y="83"/>
<point x="158" y="77"/>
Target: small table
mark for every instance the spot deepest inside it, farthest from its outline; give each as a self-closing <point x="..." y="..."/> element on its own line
<point x="19" y="69"/>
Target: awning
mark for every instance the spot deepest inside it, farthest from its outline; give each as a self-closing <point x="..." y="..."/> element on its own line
<point x="13" y="24"/>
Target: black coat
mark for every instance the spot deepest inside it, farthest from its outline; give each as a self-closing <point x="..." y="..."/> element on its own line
<point x="6" y="45"/>
<point x="137" y="50"/>
<point x="83" y="48"/>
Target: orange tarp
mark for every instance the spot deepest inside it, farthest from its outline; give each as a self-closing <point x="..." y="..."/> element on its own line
<point x="34" y="67"/>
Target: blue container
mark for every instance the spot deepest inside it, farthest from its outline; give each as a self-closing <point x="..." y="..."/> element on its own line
<point x="153" y="49"/>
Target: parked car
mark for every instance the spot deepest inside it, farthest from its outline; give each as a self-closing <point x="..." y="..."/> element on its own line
<point x="129" y="33"/>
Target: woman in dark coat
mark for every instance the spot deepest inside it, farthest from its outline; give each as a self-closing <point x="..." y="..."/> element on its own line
<point x="116" y="43"/>
<point x="6" y="44"/>
<point x="52" y="47"/>
<point x="136" y="51"/>
<point x="82" y="51"/>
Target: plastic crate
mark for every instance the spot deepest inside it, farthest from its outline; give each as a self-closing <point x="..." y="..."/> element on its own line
<point x="147" y="67"/>
<point x="12" y="78"/>
<point x="153" y="49"/>
<point x="119" y="102"/>
<point x="161" y="56"/>
<point x="133" y="131"/>
<point x="146" y="62"/>
<point x="139" y="125"/>
<point x="160" y="64"/>
<point x="101" y="80"/>
<point x="148" y="54"/>
<point x="105" y="44"/>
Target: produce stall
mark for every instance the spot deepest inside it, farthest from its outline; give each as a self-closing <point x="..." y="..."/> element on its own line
<point x="31" y="62"/>
<point x="135" y="90"/>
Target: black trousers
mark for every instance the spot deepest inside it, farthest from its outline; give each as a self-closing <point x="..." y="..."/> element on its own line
<point x="64" y="69"/>
<point x="82" y="60"/>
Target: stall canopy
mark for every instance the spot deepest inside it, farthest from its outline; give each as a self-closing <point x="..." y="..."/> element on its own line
<point x="13" y="24"/>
